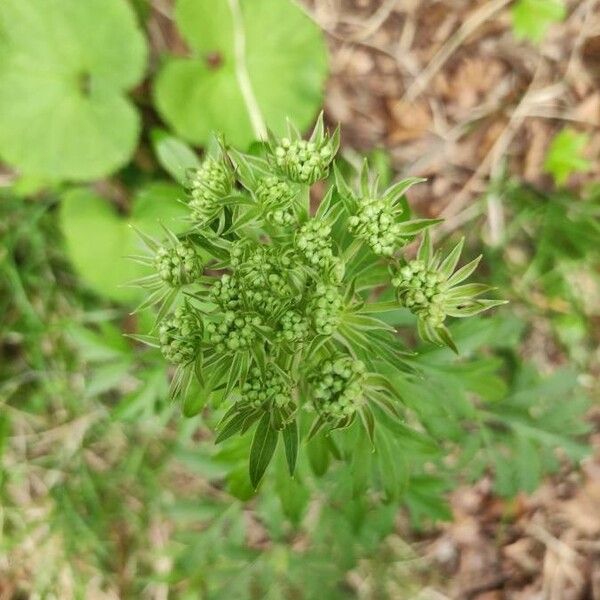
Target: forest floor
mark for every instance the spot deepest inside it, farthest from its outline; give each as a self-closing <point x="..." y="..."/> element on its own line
<point x="446" y="89"/>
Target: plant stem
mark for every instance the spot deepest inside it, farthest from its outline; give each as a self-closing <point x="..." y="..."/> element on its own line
<point x="241" y="71"/>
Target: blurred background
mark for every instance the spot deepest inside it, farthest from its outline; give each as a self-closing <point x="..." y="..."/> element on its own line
<point x="106" y="490"/>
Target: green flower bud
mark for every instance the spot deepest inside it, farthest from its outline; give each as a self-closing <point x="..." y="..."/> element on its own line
<point x="180" y="335"/>
<point x="263" y="279"/>
<point x="234" y="333"/>
<point x="337" y="388"/>
<point x="294" y="328"/>
<point x="209" y="184"/>
<point x="313" y="243"/>
<point x="422" y="291"/>
<point x="276" y="195"/>
<point x="375" y="224"/>
<point x="266" y="390"/>
<point x="226" y="293"/>
<point x="178" y="265"/>
<point x="325" y="309"/>
<point x="303" y="161"/>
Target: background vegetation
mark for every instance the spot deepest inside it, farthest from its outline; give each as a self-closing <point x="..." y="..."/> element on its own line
<point x="106" y="491"/>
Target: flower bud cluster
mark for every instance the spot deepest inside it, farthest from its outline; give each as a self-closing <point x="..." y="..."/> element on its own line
<point x="422" y="291"/>
<point x="235" y="333"/>
<point x="269" y="388"/>
<point x="325" y="308"/>
<point x="263" y="279"/>
<point x="178" y="265"/>
<point x="209" y="184"/>
<point x="225" y="292"/>
<point x="337" y="388"/>
<point x="375" y="224"/>
<point x="179" y="336"/>
<point x="294" y="328"/>
<point x="313" y="242"/>
<point x="276" y="195"/>
<point x="302" y="161"/>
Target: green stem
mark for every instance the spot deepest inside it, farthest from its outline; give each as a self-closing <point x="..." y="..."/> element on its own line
<point x="241" y="71"/>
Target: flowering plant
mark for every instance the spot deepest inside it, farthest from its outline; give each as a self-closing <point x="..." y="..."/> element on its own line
<point x="271" y="298"/>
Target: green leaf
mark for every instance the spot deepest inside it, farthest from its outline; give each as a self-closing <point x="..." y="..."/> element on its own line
<point x="264" y="443"/>
<point x="233" y="426"/>
<point x="290" y="441"/>
<point x="284" y="57"/>
<point x="64" y="68"/>
<point x="175" y="156"/>
<point x="368" y="421"/>
<point x="532" y="18"/>
<point x="99" y="240"/>
<point x="565" y="155"/>
<point x="318" y="454"/>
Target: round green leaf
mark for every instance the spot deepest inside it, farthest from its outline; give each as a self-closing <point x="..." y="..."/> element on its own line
<point x="64" y="67"/>
<point x="98" y="239"/>
<point x="285" y="58"/>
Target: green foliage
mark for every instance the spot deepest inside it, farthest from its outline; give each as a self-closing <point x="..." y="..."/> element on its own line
<point x="139" y="500"/>
<point x="90" y="223"/>
<point x="550" y="260"/>
<point x="532" y="18"/>
<point x="269" y="46"/>
<point x="63" y="110"/>
<point x="273" y="326"/>
<point x="564" y="156"/>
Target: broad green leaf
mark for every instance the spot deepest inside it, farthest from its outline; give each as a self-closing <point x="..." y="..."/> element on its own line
<point x="98" y="239"/>
<point x="532" y="18"/>
<point x="565" y="155"/>
<point x="64" y="68"/>
<point x="264" y="443"/>
<point x="280" y="49"/>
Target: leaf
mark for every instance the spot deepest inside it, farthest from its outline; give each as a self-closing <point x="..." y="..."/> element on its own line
<point x="464" y="272"/>
<point x="65" y="66"/>
<point x="406" y="436"/>
<point x="285" y="62"/>
<point x="99" y="240"/>
<point x="413" y="227"/>
<point x="449" y="263"/>
<point x="532" y="18"/>
<point x="368" y="421"/>
<point x="318" y="454"/>
<point x="425" y="248"/>
<point x="401" y="187"/>
<point x="290" y="441"/>
<point x="565" y="155"/>
<point x="233" y="426"/>
<point x="264" y="443"/>
<point x="175" y="156"/>
<point x="446" y="337"/>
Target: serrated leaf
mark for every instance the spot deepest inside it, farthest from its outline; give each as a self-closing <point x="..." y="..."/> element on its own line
<point x="64" y="68"/>
<point x="284" y="58"/>
<point x="263" y="446"/>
